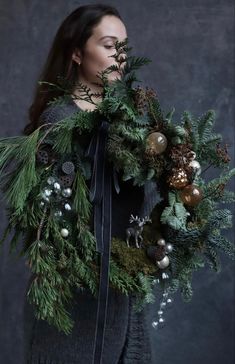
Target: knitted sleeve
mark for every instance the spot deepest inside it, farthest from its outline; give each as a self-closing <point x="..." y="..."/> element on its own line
<point x="54" y="113"/>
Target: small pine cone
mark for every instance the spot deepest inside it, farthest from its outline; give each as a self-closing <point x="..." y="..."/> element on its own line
<point x="160" y="253"/>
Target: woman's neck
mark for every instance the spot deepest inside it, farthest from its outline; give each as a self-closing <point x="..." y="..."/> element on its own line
<point x="94" y="89"/>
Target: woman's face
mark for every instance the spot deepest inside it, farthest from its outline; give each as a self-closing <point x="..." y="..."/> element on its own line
<point x="99" y="47"/>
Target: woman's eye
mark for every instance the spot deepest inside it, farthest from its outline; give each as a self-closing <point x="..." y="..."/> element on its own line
<point x="108" y="47"/>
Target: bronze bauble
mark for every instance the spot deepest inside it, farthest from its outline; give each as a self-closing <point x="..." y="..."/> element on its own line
<point x="191" y="195"/>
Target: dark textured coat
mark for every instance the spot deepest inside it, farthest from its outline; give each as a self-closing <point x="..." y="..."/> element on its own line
<point x="127" y="339"/>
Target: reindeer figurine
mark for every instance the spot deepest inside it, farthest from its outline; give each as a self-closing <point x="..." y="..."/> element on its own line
<point x="136" y="230"/>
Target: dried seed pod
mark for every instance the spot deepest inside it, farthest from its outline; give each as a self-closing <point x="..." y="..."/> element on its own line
<point x="66" y="180"/>
<point x="68" y="167"/>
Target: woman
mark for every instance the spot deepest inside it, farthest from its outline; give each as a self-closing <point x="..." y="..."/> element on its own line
<point x="82" y="47"/>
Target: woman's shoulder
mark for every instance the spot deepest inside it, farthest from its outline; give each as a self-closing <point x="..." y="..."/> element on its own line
<point x="58" y="111"/>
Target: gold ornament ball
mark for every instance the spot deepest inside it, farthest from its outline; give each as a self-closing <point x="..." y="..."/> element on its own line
<point x="156" y="143"/>
<point x="191" y="195"/>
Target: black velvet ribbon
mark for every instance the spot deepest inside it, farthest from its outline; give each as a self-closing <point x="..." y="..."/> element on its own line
<point x="101" y="197"/>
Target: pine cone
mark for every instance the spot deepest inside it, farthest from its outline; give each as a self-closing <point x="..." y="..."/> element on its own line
<point x="160" y="253"/>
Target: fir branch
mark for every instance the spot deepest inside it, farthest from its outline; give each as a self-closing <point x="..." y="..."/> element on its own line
<point x="63" y="141"/>
<point x="133" y="134"/>
<point x="212" y="258"/>
<point x="154" y="111"/>
<point x="220" y="242"/>
<point x="174" y="215"/>
<point x="87" y="243"/>
<point x="205" y="124"/>
<point x="81" y="203"/>
<point x="23" y="180"/>
<point x="9" y="150"/>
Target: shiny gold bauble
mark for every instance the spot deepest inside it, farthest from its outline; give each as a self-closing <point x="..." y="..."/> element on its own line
<point x="191" y="195"/>
<point x="156" y="143"/>
<point x="178" y="179"/>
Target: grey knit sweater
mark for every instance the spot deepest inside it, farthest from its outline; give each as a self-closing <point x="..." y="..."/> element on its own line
<point x="127" y="337"/>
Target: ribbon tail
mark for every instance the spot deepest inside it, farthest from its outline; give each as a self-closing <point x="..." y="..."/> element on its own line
<point x="101" y="196"/>
<point x="104" y="271"/>
<point x="97" y="228"/>
<point x="115" y="180"/>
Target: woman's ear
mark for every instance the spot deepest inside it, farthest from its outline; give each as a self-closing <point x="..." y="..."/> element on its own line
<point x="76" y="56"/>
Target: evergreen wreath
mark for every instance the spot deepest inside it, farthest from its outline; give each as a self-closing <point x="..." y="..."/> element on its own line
<point x="44" y="177"/>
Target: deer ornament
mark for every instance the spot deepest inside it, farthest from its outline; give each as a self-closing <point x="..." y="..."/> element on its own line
<point x="136" y="230"/>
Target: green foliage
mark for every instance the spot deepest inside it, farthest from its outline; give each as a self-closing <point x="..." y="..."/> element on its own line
<point x="183" y="263"/>
<point x="155" y="113"/>
<point x="121" y="279"/>
<point x="176" y="214"/>
<point x="148" y="296"/>
<point x="24" y="177"/>
<point x="81" y="203"/>
<point x="202" y="137"/>
<point x="212" y="258"/>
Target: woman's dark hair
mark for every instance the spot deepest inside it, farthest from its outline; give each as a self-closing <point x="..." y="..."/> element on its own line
<point x="73" y="33"/>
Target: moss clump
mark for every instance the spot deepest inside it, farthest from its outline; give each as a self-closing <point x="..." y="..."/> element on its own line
<point x="132" y="259"/>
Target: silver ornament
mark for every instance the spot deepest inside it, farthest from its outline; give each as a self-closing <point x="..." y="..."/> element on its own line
<point x="58" y="213"/>
<point x="155" y="324"/>
<point x="67" y="192"/>
<point x="160" y="312"/>
<point x="47" y="192"/>
<point x="165" y="275"/>
<point x="64" y="232"/>
<point x="169" y="300"/>
<point x="196" y="167"/>
<point x="164" y="262"/>
<point x="161" y="320"/>
<point x="57" y="187"/>
<point x="161" y="242"/>
<point x="42" y="203"/>
<point x="165" y="294"/>
<point x="193" y="155"/>
<point x="51" y="180"/>
<point x="45" y="198"/>
<point x="67" y="207"/>
<point x="163" y="304"/>
<point x="155" y="281"/>
<point x="169" y="248"/>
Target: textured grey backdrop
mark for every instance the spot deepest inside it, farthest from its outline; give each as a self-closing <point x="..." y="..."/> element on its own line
<point x="191" y="44"/>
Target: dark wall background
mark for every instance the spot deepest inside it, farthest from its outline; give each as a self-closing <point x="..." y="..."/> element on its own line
<point x="191" y="44"/>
